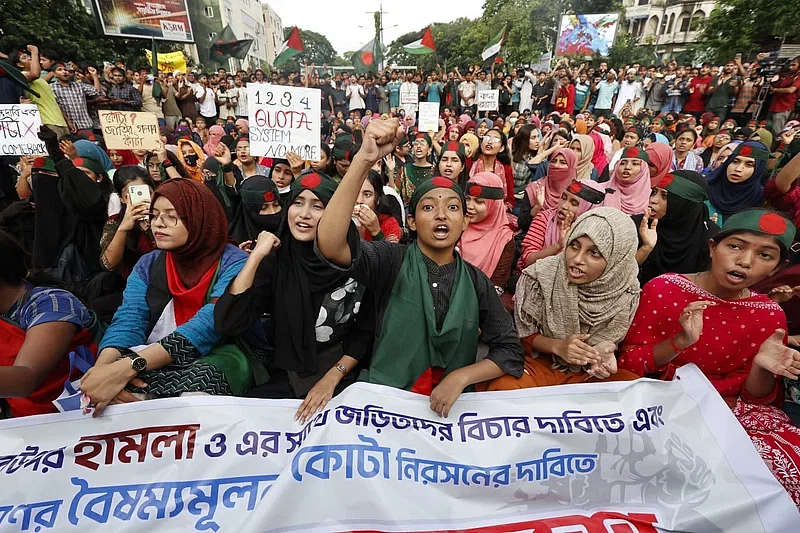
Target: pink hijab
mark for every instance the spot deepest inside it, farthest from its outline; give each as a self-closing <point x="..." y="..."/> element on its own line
<point x="215" y="133"/>
<point x="660" y="155"/>
<point x="552" y="232"/>
<point x="556" y="180"/>
<point x="630" y="197"/>
<point x="599" y="158"/>
<point x="482" y="243"/>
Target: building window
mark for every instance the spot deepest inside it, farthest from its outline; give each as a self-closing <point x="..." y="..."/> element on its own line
<point x="685" y="23"/>
<point x="671" y="23"/>
<point x="209" y="12"/>
<point x="697" y="19"/>
<point x="644" y="2"/>
<point x="212" y="35"/>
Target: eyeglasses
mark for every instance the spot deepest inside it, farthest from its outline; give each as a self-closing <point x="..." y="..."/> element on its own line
<point x="170" y="221"/>
<point x="420" y="142"/>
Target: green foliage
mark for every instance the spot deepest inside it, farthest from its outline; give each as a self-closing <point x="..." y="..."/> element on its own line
<point x="66" y="28"/>
<point x="739" y="26"/>
<point x="318" y="51"/>
<point x="531" y="30"/>
<point x="626" y="51"/>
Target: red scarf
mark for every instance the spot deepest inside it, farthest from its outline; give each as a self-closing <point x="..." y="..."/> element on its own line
<point x="187" y="301"/>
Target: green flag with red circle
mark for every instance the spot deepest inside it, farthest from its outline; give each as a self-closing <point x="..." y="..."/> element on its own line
<point x="367" y="58"/>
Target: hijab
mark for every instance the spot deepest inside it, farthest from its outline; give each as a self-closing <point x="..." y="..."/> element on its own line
<point x="584" y="168"/>
<point x="247" y="222"/>
<point x="215" y="134"/>
<point x="483" y="243"/>
<point x="300" y="281"/>
<point x="547" y="303"/>
<point x="204" y="219"/>
<point x="92" y="151"/>
<point x="196" y="170"/>
<point x="602" y="146"/>
<point x="553" y="231"/>
<point x="730" y="198"/>
<point x="630" y="197"/>
<point x="127" y="158"/>
<point x="661" y="157"/>
<point x="683" y="232"/>
<point x="556" y="180"/>
<point x="472" y="142"/>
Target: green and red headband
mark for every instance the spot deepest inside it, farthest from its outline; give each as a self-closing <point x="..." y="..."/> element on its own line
<point x="258" y="190"/>
<point x="634" y="152"/>
<point x="424" y="136"/>
<point x="44" y="164"/>
<point x="438" y="182"/>
<point x="761" y="221"/>
<point x="476" y="190"/>
<point x="457" y="147"/>
<point x="320" y="184"/>
<point x="680" y="186"/>
<point x="756" y="150"/>
<point x="89" y="164"/>
<point x="590" y="194"/>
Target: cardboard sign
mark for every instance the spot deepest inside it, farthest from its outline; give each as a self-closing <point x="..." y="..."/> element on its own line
<point x="488" y="100"/>
<point x="284" y="119"/>
<point x="19" y="129"/>
<point x="130" y="130"/>
<point x="409" y="96"/>
<point x="428" y="116"/>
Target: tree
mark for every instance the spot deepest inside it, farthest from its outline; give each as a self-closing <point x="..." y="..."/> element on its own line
<point x="627" y="51"/>
<point x="68" y="30"/>
<point x="742" y="26"/>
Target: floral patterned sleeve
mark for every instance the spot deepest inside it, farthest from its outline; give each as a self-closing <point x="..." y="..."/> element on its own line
<point x="109" y="230"/>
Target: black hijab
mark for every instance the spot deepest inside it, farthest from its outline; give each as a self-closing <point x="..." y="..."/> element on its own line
<point x="300" y="282"/>
<point x="247" y="223"/>
<point x="683" y="233"/>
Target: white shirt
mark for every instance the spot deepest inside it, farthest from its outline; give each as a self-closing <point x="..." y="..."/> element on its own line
<point x="409" y="87"/>
<point x="208" y="107"/>
<point x="629" y="91"/>
<point x="356" y="94"/>
<point x="241" y="106"/>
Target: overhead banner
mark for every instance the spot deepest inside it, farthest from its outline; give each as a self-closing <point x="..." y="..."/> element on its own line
<point x="130" y="130"/>
<point x="169" y="62"/>
<point x="19" y="130"/>
<point x="643" y="457"/>
<point x="284" y="119"/>
<point x="166" y="20"/>
<point x="586" y="34"/>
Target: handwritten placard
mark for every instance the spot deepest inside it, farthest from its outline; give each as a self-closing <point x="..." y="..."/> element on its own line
<point x="129" y="130"/>
<point x="429" y="116"/>
<point x="19" y="128"/>
<point x="409" y="96"/>
<point x="488" y="100"/>
<point x="284" y="119"/>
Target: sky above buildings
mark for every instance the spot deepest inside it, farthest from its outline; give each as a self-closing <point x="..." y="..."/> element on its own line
<point x="339" y="21"/>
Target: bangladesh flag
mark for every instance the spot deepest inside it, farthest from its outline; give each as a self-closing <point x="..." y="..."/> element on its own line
<point x="367" y="58"/>
<point x="493" y="48"/>
<point x="426" y="45"/>
<point x="292" y="47"/>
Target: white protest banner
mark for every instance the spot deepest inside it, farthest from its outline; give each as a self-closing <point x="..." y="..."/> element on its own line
<point x="645" y="456"/>
<point x="130" y="130"/>
<point x="19" y="129"/>
<point x="408" y="96"/>
<point x="284" y="119"/>
<point x="488" y="100"/>
<point x="428" y="119"/>
<point x="544" y="63"/>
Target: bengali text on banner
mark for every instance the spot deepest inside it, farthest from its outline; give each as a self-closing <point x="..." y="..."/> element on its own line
<point x="643" y="456"/>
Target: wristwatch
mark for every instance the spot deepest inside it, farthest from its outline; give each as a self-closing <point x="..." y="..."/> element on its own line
<point x="138" y="363"/>
<point x="341" y="369"/>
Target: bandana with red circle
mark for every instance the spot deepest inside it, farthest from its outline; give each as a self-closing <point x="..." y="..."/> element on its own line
<point x="762" y="221"/>
<point x="483" y="191"/>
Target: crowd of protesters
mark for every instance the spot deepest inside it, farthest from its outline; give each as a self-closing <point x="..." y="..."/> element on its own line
<point x="601" y="224"/>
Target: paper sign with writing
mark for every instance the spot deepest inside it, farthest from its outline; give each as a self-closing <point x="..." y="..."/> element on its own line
<point x="409" y="96"/>
<point x="644" y="456"/>
<point x="130" y="130"/>
<point x="284" y="119"/>
<point x="19" y="129"/>
<point x="428" y="116"/>
<point x="488" y="100"/>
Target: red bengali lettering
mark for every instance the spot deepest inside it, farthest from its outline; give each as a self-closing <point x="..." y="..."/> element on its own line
<point x="136" y="443"/>
<point x="280" y="118"/>
<point x="601" y="522"/>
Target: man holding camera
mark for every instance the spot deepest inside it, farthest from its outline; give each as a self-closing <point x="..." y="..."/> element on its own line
<point x="784" y="95"/>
